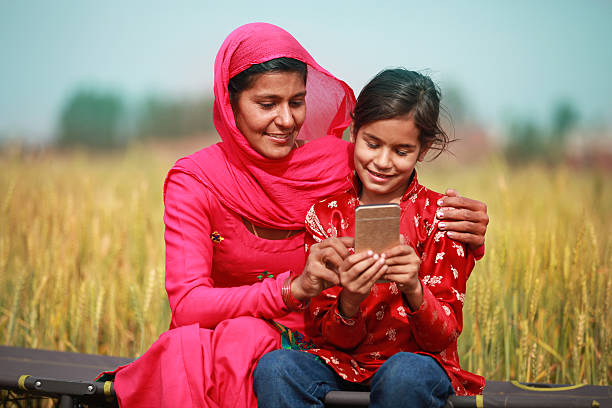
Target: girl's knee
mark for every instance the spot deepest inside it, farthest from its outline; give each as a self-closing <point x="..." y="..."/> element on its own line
<point x="413" y="370"/>
<point x="276" y="362"/>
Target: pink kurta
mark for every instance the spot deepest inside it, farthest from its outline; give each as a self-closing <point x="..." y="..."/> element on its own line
<point x="218" y="275"/>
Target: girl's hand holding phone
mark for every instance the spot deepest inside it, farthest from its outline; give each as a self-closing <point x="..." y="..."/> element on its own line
<point x="358" y="273"/>
<point x="403" y="268"/>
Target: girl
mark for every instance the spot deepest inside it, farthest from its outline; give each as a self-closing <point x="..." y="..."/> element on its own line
<point x="398" y="338"/>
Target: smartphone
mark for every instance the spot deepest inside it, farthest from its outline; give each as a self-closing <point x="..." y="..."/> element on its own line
<point x="377" y="227"/>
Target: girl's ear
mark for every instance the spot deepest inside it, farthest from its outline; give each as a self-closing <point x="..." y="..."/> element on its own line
<point x="353" y="136"/>
<point x="423" y="152"/>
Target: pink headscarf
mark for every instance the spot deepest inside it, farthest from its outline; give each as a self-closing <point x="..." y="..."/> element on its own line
<point x="275" y="193"/>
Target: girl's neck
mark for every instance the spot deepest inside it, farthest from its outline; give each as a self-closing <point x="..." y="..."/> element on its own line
<point x="371" y="197"/>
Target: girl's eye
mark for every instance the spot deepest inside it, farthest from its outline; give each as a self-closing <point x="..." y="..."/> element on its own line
<point x="402" y="152"/>
<point x="371" y="145"/>
<point x="266" y="105"/>
<point x="297" y="103"/>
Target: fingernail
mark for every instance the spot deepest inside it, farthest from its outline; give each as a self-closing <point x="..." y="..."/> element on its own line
<point x="370" y="252"/>
<point x="440" y="202"/>
<point x="450" y="233"/>
<point x="375" y="256"/>
<point x="440" y="214"/>
<point x="442" y="225"/>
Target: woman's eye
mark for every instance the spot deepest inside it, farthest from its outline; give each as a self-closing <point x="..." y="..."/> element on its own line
<point x="297" y="103"/>
<point x="266" y="105"/>
<point x="372" y="145"/>
<point x="402" y="152"/>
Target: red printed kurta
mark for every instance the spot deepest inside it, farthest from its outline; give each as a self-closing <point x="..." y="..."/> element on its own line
<point x="356" y="348"/>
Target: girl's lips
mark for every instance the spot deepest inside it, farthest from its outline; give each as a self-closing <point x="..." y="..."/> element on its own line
<point x="379" y="176"/>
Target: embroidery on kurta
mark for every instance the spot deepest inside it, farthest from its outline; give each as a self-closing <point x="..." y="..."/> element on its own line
<point x="216" y="237"/>
<point x="265" y="274"/>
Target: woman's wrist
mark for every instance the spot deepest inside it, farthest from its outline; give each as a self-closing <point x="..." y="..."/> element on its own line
<point x="293" y="297"/>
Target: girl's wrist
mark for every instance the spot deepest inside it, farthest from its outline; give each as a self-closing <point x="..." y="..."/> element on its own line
<point x="413" y="295"/>
<point x="348" y="308"/>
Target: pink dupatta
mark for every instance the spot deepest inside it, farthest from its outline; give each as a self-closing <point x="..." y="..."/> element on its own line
<point x="275" y="193"/>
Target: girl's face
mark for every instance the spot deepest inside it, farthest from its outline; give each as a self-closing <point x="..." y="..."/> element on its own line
<point x="386" y="152"/>
<point x="271" y="112"/>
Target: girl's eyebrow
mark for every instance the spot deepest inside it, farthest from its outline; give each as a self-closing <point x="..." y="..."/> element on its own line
<point x="403" y="145"/>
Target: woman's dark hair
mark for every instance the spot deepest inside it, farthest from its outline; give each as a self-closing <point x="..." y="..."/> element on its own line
<point x="244" y="79"/>
<point x="399" y="92"/>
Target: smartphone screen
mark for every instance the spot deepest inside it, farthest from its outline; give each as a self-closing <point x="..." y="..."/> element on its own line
<point x="377" y="227"/>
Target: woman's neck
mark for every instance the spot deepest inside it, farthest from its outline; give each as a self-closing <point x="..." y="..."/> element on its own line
<point x="268" y="233"/>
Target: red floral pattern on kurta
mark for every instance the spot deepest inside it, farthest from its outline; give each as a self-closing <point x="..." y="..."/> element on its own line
<point x="386" y="325"/>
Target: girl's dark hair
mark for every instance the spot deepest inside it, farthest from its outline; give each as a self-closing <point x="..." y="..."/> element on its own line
<point x="398" y="92"/>
<point x="244" y="79"/>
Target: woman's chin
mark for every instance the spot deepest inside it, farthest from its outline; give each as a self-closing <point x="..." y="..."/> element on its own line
<point x="276" y="150"/>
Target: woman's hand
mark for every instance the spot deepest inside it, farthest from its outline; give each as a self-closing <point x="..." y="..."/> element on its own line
<point x="404" y="265"/>
<point x="321" y="269"/>
<point x="464" y="219"/>
<point x="358" y="273"/>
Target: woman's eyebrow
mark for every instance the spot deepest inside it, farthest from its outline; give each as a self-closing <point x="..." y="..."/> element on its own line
<point x="276" y="96"/>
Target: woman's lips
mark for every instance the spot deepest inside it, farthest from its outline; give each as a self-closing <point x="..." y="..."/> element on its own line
<point x="281" y="138"/>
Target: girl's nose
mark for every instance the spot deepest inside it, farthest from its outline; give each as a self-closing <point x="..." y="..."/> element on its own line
<point x="284" y="119"/>
<point x="382" y="159"/>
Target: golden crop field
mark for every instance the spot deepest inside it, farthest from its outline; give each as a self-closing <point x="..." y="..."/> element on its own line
<point x="82" y="260"/>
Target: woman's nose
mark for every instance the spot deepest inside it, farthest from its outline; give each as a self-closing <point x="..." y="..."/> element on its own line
<point x="284" y="118"/>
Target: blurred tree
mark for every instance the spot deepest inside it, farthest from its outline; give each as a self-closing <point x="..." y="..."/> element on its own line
<point x="455" y="104"/>
<point x="564" y="118"/>
<point x="92" y="118"/>
<point x="163" y="117"/>
<point x="526" y="140"/>
<point x="529" y="141"/>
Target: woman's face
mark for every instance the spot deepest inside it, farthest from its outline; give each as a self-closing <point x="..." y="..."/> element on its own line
<point x="271" y="112"/>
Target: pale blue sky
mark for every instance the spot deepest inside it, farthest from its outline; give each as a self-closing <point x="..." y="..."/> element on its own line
<point x="508" y="58"/>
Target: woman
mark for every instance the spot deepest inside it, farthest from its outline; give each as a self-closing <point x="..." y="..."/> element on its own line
<point x="234" y="216"/>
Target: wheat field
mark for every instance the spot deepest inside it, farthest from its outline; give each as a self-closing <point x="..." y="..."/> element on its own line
<point x="82" y="260"/>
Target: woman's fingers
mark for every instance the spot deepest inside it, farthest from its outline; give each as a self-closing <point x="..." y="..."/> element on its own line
<point x="462" y="214"/>
<point x="469" y="233"/>
<point x="453" y="199"/>
<point x="465" y="219"/>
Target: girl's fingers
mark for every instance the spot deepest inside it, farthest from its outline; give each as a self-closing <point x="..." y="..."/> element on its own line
<point x="399" y="250"/>
<point x="358" y="257"/>
<point x="353" y="272"/>
<point x="412" y="270"/>
<point x="369" y="276"/>
<point x="404" y="260"/>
